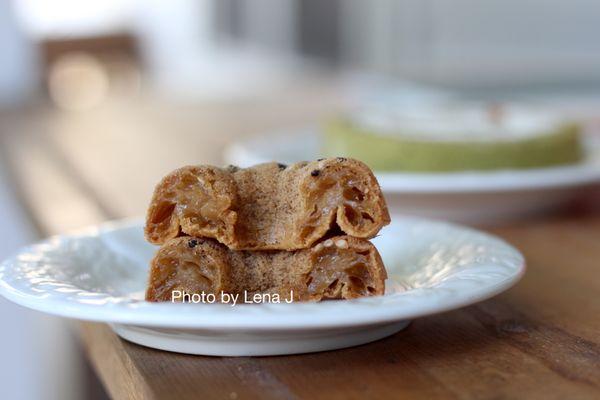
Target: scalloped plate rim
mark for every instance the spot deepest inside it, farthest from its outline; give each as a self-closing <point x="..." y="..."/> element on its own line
<point x="276" y="316"/>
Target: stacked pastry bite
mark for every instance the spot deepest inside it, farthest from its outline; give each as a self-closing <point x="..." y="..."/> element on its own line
<point x="299" y="230"/>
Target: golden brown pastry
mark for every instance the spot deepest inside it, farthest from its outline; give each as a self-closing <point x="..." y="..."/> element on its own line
<point x="342" y="267"/>
<point x="268" y="206"/>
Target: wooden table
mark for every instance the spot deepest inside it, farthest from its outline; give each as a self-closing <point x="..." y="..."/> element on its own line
<point x="539" y="340"/>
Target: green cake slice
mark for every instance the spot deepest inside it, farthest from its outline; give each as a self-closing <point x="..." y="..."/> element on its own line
<point x="455" y="140"/>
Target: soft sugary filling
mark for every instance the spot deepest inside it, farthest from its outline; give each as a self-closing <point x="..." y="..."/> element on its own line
<point x="329" y="192"/>
<point x="180" y="270"/>
<point x="337" y="267"/>
<point x="190" y="200"/>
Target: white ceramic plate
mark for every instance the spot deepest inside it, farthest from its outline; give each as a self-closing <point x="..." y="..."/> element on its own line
<point x="468" y="197"/>
<point x="100" y="274"/>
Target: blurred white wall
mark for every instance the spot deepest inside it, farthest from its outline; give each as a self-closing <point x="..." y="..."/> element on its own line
<point x="18" y="72"/>
<point x="64" y="18"/>
<point x="475" y="43"/>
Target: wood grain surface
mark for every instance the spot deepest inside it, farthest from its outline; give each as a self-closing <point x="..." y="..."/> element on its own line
<point x="539" y="340"/>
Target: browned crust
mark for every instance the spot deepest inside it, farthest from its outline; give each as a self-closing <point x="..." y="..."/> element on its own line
<point x="204" y="265"/>
<point x="268" y="206"/>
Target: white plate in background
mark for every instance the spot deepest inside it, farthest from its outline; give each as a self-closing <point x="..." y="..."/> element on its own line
<point x="100" y="274"/>
<point x="466" y="196"/>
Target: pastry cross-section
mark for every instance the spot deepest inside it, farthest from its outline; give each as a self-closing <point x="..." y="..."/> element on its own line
<point x="342" y="267"/>
<point x="269" y="206"/>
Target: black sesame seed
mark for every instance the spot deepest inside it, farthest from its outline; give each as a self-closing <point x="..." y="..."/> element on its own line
<point x="232" y="168"/>
<point x="320" y="159"/>
<point x="192" y="243"/>
<point x="315" y="172"/>
<point x="341" y="158"/>
<point x="281" y="166"/>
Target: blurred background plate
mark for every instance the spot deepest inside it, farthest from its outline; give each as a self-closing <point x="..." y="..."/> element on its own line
<point x="470" y="197"/>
